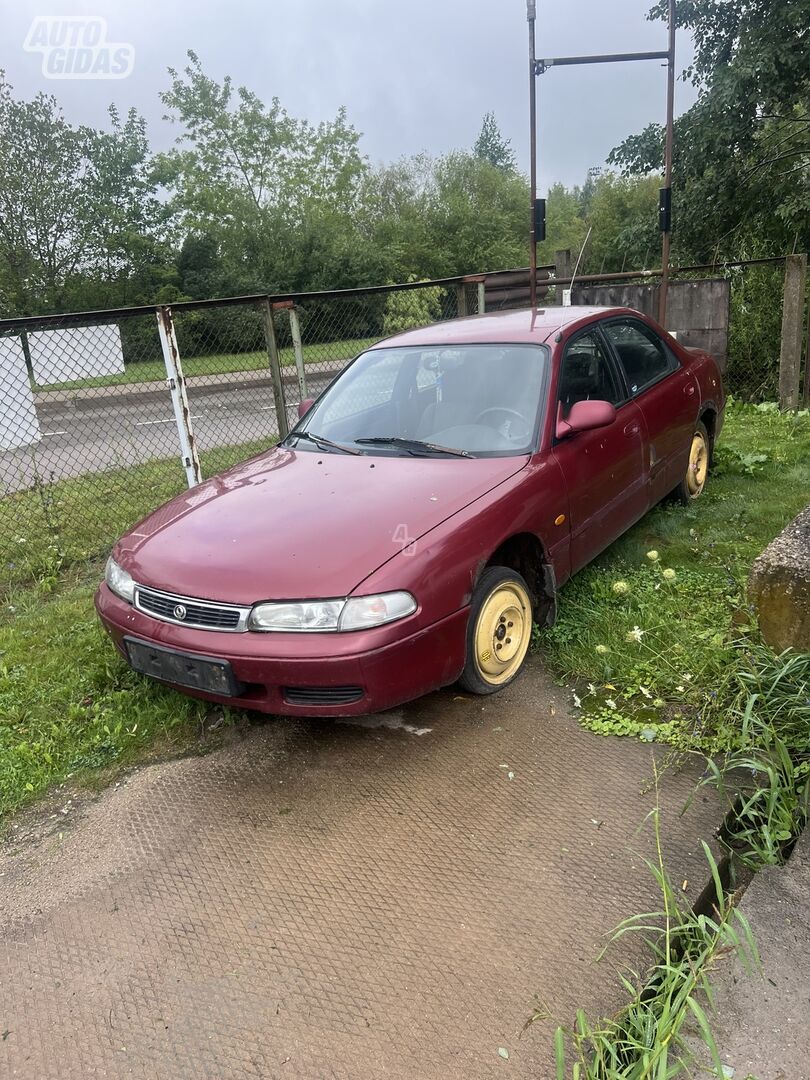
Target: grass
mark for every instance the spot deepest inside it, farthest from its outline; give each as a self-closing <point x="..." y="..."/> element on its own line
<point x="69" y="706"/>
<point x="142" y="371"/>
<point x="653" y="631"/>
<point x="57" y="525"/>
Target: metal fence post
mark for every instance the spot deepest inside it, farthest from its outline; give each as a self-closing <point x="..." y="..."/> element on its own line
<point x="177" y="388"/>
<point x="275" y="368"/>
<point x="790" y="353"/>
<point x="298" y="349"/>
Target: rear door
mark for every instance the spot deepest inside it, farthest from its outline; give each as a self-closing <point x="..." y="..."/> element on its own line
<point x="604" y="469"/>
<point x="667" y="394"/>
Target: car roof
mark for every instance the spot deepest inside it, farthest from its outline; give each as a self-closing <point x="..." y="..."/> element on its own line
<point x="501" y="326"/>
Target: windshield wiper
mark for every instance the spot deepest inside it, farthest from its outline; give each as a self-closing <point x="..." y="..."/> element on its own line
<point x="413" y="446"/>
<point x="322" y="443"/>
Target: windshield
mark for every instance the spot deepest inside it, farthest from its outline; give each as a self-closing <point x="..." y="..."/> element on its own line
<point x="482" y="400"/>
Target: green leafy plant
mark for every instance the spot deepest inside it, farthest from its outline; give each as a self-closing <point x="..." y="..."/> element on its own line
<point x="766" y="783"/>
<point x="729" y="460"/>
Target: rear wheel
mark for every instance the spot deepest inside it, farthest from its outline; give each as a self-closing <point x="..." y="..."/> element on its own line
<point x="697" y="469"/>
<point x="499" y="631"/>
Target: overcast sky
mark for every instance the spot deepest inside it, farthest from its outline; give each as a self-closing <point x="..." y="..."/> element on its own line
<point x="414" y="74"/>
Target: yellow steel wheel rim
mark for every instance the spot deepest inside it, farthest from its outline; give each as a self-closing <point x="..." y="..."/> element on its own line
<point x="502" y="633"/>
<point x="698" y="465"/>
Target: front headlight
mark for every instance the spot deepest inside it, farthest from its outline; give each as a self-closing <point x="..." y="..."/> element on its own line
<point x="300" y="615"/>
<point x="119" y="581"/>
<point x="357" y="613"/>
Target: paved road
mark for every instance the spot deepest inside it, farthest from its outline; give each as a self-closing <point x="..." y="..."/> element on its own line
<point x="375" y="899"/>
<point x="90" y="434"/>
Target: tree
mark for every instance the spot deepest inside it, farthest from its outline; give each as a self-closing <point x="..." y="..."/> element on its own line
<point x="741" y="153"/>
<point x="250" y="175"/>
<point x="75" y="203"/>
<point x="491" y="146"/>
<point x="623" y="216"/>
<point x="566" y="225"/>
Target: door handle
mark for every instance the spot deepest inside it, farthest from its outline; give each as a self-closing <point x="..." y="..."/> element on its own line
<point x="631" y="428"/>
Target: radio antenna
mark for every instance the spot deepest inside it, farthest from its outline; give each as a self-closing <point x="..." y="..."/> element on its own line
<point x="567" y="292"/>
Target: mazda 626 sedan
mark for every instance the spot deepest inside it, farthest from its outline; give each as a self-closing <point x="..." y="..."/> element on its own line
<point x="419" y="518"/>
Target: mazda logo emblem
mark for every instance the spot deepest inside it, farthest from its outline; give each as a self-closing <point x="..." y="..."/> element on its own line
<point x="180" y="612"/>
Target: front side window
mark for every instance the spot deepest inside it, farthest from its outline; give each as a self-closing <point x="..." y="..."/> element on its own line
<point x="481" y="399"/>
<point x="586" y="374"/>
<point x="642" y="354"/>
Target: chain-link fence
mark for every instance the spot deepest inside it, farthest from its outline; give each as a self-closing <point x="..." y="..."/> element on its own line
<point x="104" y="416"/>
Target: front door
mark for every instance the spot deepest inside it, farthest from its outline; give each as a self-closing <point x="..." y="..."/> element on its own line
<point x="605" y="469"/>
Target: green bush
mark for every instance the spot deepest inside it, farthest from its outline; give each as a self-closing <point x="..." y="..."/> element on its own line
<point x="412" y="307"/>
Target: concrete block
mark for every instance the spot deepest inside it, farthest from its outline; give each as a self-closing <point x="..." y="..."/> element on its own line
<point x="779" y="587"/>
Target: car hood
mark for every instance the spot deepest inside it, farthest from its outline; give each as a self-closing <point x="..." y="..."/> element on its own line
<point x="297" y="525"/>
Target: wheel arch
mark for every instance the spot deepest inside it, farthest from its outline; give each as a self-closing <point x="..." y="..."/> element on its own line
<point x="708" y="417"/>
<point x="524" y="552"/>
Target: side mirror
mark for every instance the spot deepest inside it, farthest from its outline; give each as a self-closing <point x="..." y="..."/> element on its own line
<point x="584" y="416"/>
<point x="304" y="406"/>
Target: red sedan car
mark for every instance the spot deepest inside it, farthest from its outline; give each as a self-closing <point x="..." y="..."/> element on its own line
<point x="419" y="518"/>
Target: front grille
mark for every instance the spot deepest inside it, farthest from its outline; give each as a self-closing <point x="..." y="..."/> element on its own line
<point x="322" y="695"/>
<point x="189" y="611"/>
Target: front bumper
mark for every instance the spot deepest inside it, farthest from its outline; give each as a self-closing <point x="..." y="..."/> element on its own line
<point x="388" y="670"/>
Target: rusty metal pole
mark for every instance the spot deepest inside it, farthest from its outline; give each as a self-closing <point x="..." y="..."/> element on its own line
<point x="667" y="191"/>
<point x="531" y="13"/>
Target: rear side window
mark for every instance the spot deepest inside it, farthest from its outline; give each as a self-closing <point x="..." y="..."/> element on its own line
<point x="643" y="356"/>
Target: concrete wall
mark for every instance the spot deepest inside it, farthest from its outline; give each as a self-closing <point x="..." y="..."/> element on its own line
<point x="18" y="417"/>
<point x="77" y="353"/>
<point x="697" y="311"/>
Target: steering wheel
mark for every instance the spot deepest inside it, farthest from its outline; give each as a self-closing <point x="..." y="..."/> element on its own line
<point x="524" y="431"/>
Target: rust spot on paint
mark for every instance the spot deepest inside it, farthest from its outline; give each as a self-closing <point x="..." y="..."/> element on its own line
<point x="559" y="519"/>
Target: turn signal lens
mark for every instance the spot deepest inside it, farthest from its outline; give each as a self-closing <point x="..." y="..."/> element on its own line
<point x="364" y="611"/>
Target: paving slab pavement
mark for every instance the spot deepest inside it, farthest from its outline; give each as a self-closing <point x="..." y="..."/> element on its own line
<point x="762" y="1021"/>
<point x="377" y="898"/>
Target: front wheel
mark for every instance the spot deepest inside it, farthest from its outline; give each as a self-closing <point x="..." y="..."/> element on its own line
<point x="697" y="469"/>
<point x="499" y="631"/>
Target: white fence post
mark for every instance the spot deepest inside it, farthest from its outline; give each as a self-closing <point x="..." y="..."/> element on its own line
<point x="275" y="368"/>
<point x="177" y="388"/>
<point x="298" y="349"/>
